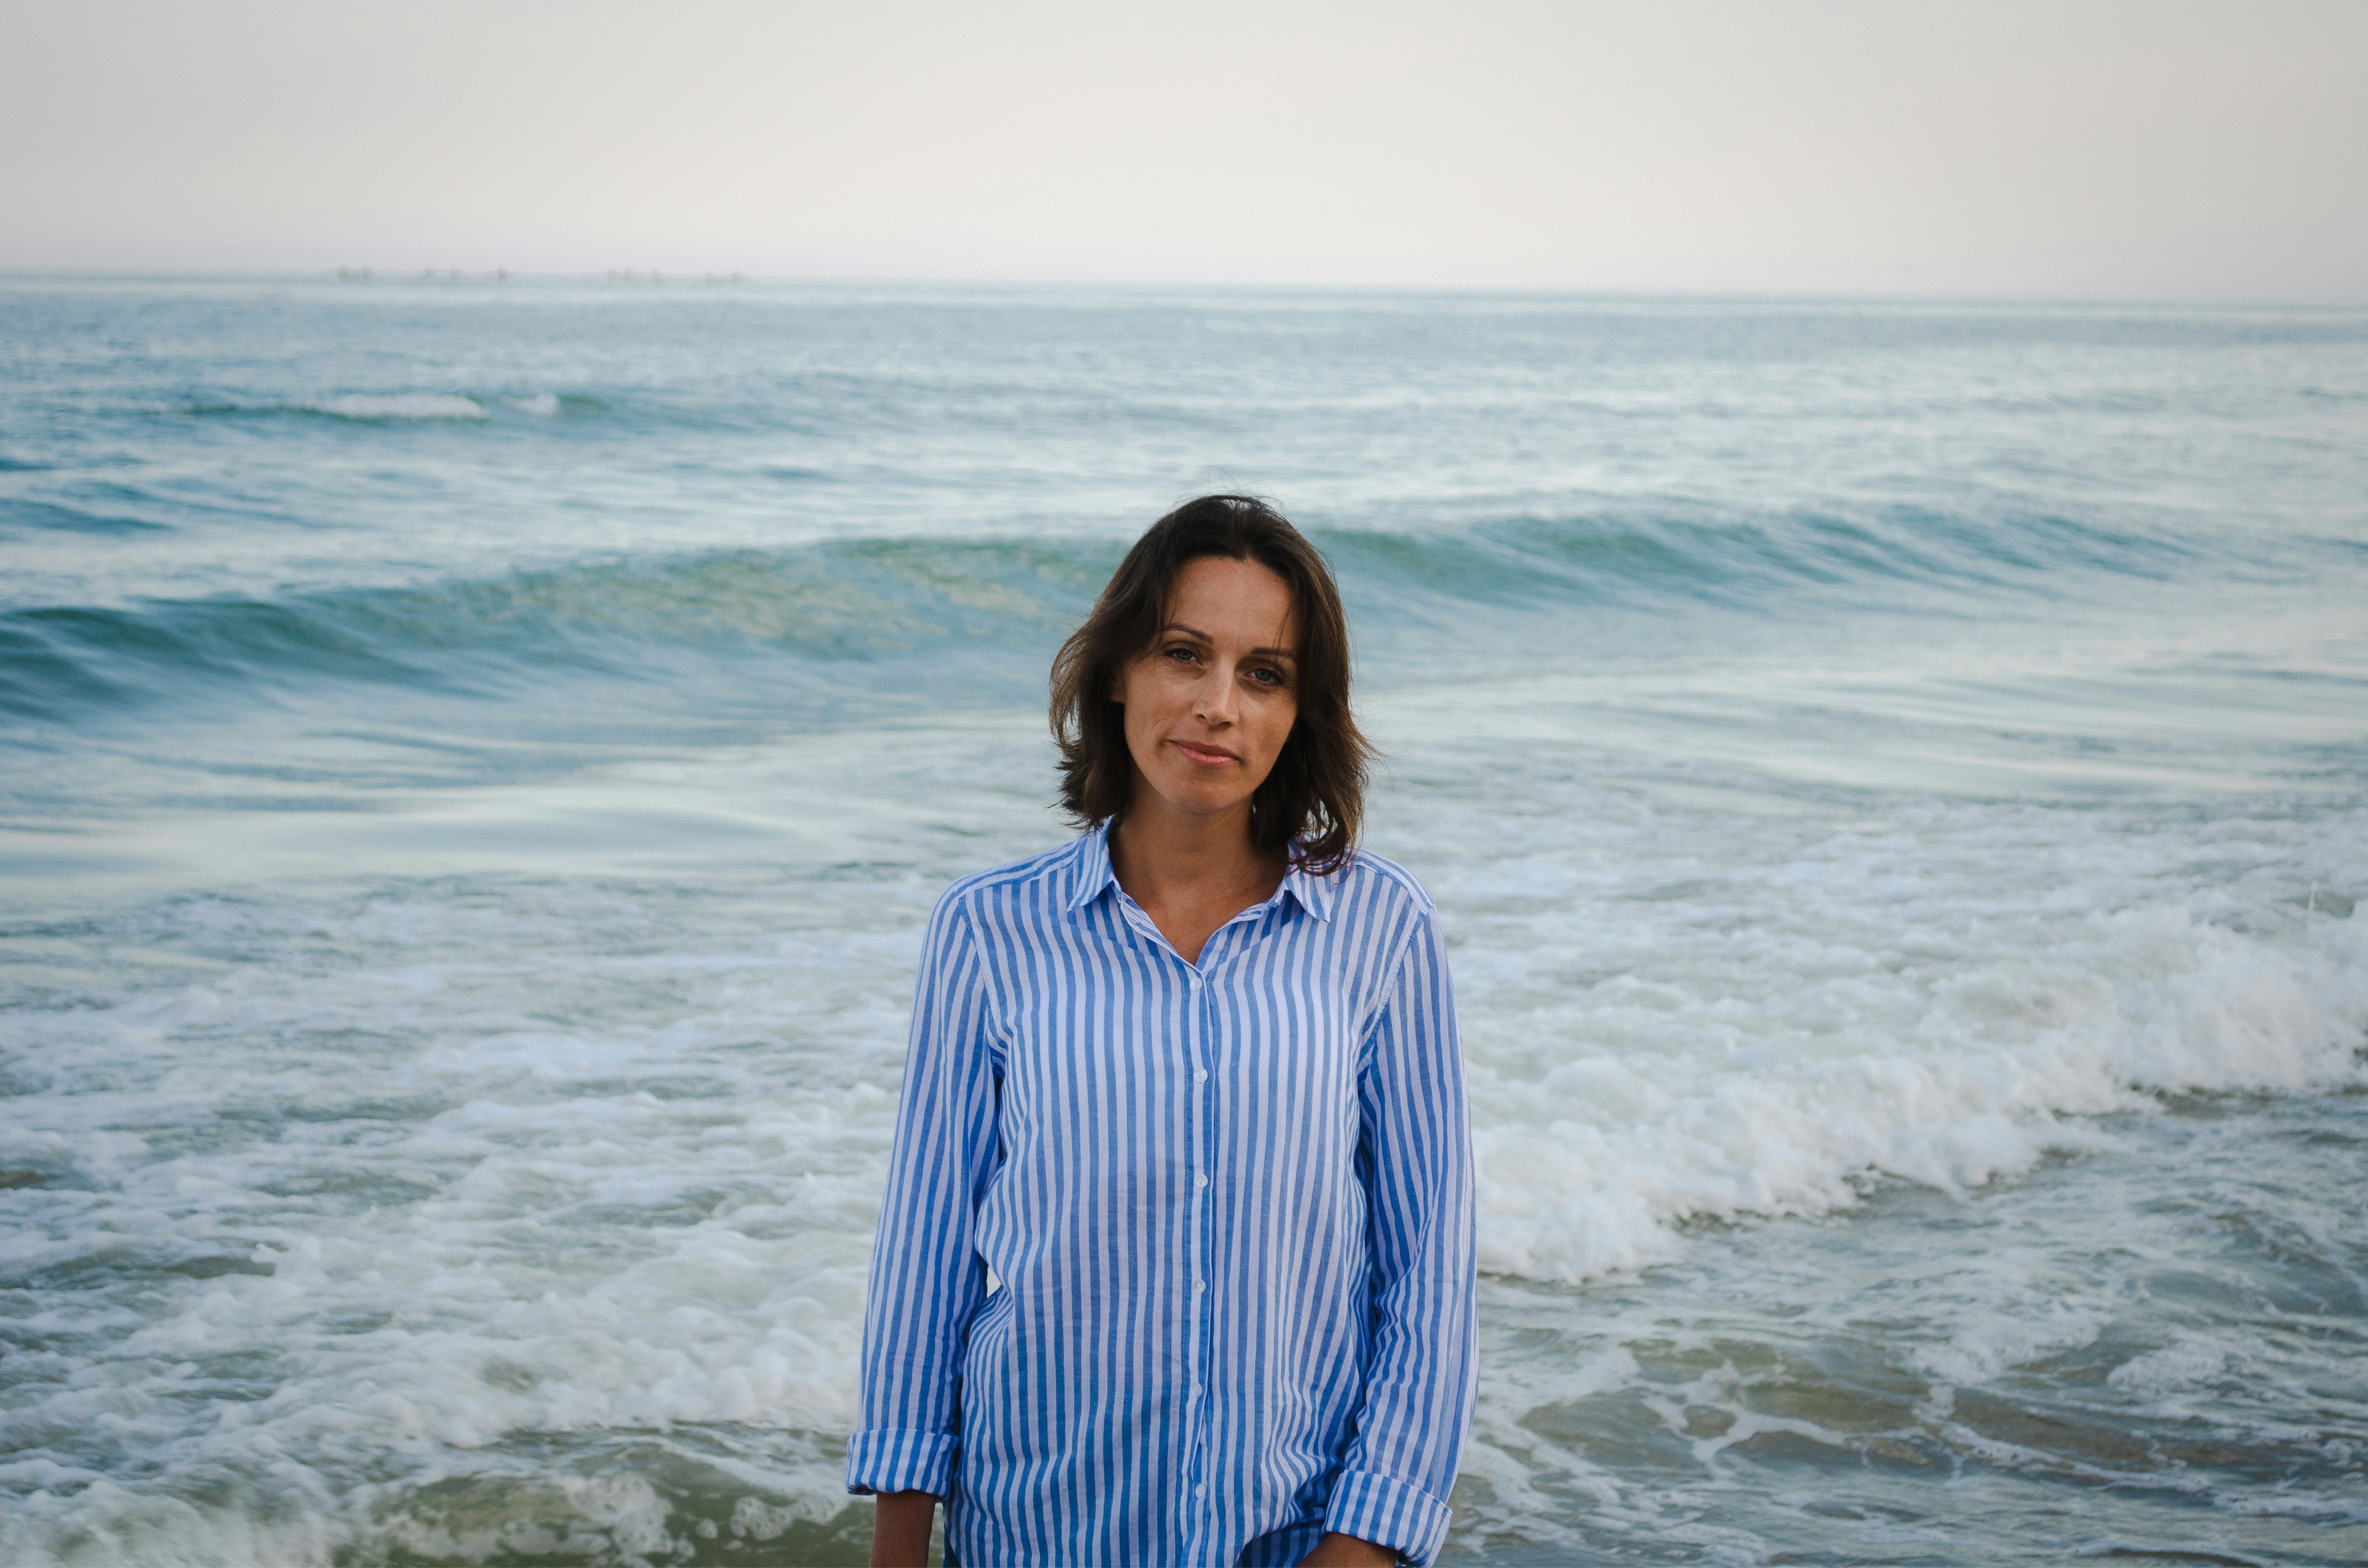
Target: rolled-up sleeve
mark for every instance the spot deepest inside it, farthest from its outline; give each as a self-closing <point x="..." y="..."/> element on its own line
<point x="1415" y="1160"/>
<point x="926" y="1276"/>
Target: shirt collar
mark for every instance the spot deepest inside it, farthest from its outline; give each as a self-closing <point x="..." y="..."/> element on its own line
<point x="1093" y="869"/>
<point x="1094" y="876"/>
<point x="1309" y="890"/>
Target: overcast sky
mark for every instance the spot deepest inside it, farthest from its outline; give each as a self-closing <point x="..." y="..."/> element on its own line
<point x="2161" y="149"/>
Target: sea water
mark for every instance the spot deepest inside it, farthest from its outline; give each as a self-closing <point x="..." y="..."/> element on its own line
<point x="475" y="759"/>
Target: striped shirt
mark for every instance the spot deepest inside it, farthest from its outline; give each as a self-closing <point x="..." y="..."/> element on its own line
<point x="1176" y="1262"/>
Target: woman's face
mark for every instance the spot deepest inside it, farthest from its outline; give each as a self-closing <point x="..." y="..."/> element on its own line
<point x="1209" y="706"/>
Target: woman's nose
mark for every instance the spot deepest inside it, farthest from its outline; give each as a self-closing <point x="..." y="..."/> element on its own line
<point x="1215" y="697"/>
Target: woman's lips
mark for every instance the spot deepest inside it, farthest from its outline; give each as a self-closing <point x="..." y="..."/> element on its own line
<point x="1207" y="756"/>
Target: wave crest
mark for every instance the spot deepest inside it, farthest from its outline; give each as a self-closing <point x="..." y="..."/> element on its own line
<point x="865" y="600"/>
<point x="399" y="405"/>
<point x="835" y="603"/>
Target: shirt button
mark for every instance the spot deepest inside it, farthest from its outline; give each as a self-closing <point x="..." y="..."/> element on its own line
<point x="1200" y="1076"/>
<point x="1204" y="1178"/>
<point x="1199" y="1284"/>
<point x="1201" y="1490"/>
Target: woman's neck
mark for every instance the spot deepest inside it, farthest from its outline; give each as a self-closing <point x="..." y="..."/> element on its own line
<point x="1191" y="873"/>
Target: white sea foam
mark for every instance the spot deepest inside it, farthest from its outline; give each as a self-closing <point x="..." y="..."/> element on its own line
<point x="2190" y="1362"/>
<point x="400" y="405"/>
<point x="544" y="403"/>
<point x="1681" y="1016"/>
<point x="1636" y="1105"/>
<point x="574" y="1171"/>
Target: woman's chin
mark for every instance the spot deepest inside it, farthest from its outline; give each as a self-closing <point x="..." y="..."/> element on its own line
<point x="1201" y="797"/>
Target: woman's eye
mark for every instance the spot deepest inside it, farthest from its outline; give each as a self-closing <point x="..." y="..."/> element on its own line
<point x="1180" y="654"/>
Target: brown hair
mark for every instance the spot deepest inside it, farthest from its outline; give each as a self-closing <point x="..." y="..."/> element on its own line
<point x="1311" y="805"/>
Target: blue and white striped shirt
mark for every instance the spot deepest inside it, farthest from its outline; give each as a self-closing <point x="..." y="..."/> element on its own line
<point x="1227" y="1209"/>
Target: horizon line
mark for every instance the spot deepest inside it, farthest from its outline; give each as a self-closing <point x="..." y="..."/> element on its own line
<point x="369" y="273"/>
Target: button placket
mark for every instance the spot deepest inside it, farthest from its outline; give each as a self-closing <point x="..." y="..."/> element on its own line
<point x="1203" y="1145"/>
<point x="1198" y="1035"/>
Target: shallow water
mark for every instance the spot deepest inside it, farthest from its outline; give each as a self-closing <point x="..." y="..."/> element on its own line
<point x="476" y="760"/>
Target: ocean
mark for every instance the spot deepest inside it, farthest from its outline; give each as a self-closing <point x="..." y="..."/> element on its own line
<point x="476" y="756"/>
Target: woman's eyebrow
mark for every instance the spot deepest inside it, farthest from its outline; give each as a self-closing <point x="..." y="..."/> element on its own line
<point x="1198" y="635"/>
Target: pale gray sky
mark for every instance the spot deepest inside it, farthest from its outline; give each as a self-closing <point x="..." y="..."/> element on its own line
<point x="2158" y="149"/>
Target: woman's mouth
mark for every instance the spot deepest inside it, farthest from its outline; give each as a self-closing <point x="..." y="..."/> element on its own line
<point x="1207" y="756"/>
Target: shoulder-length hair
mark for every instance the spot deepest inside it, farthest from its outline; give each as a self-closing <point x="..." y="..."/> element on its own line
<point x="1310" y="807"/>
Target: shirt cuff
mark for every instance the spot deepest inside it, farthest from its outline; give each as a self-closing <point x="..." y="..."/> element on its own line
<point x="889" y="1460"/>
<point x="1407" y="1520"/>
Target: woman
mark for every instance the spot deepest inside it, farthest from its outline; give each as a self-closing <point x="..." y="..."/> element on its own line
<point x="1175" y="1265"/>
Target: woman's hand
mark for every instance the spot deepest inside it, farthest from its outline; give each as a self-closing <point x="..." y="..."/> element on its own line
<point x="1337" y="1550"/>
<point x="900" y="1529"/>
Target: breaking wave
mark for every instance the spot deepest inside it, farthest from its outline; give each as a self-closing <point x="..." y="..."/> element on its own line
<point x="870" y="600"/>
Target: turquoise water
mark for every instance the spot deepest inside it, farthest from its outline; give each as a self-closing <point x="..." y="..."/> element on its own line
<point x="474" y="759"/>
